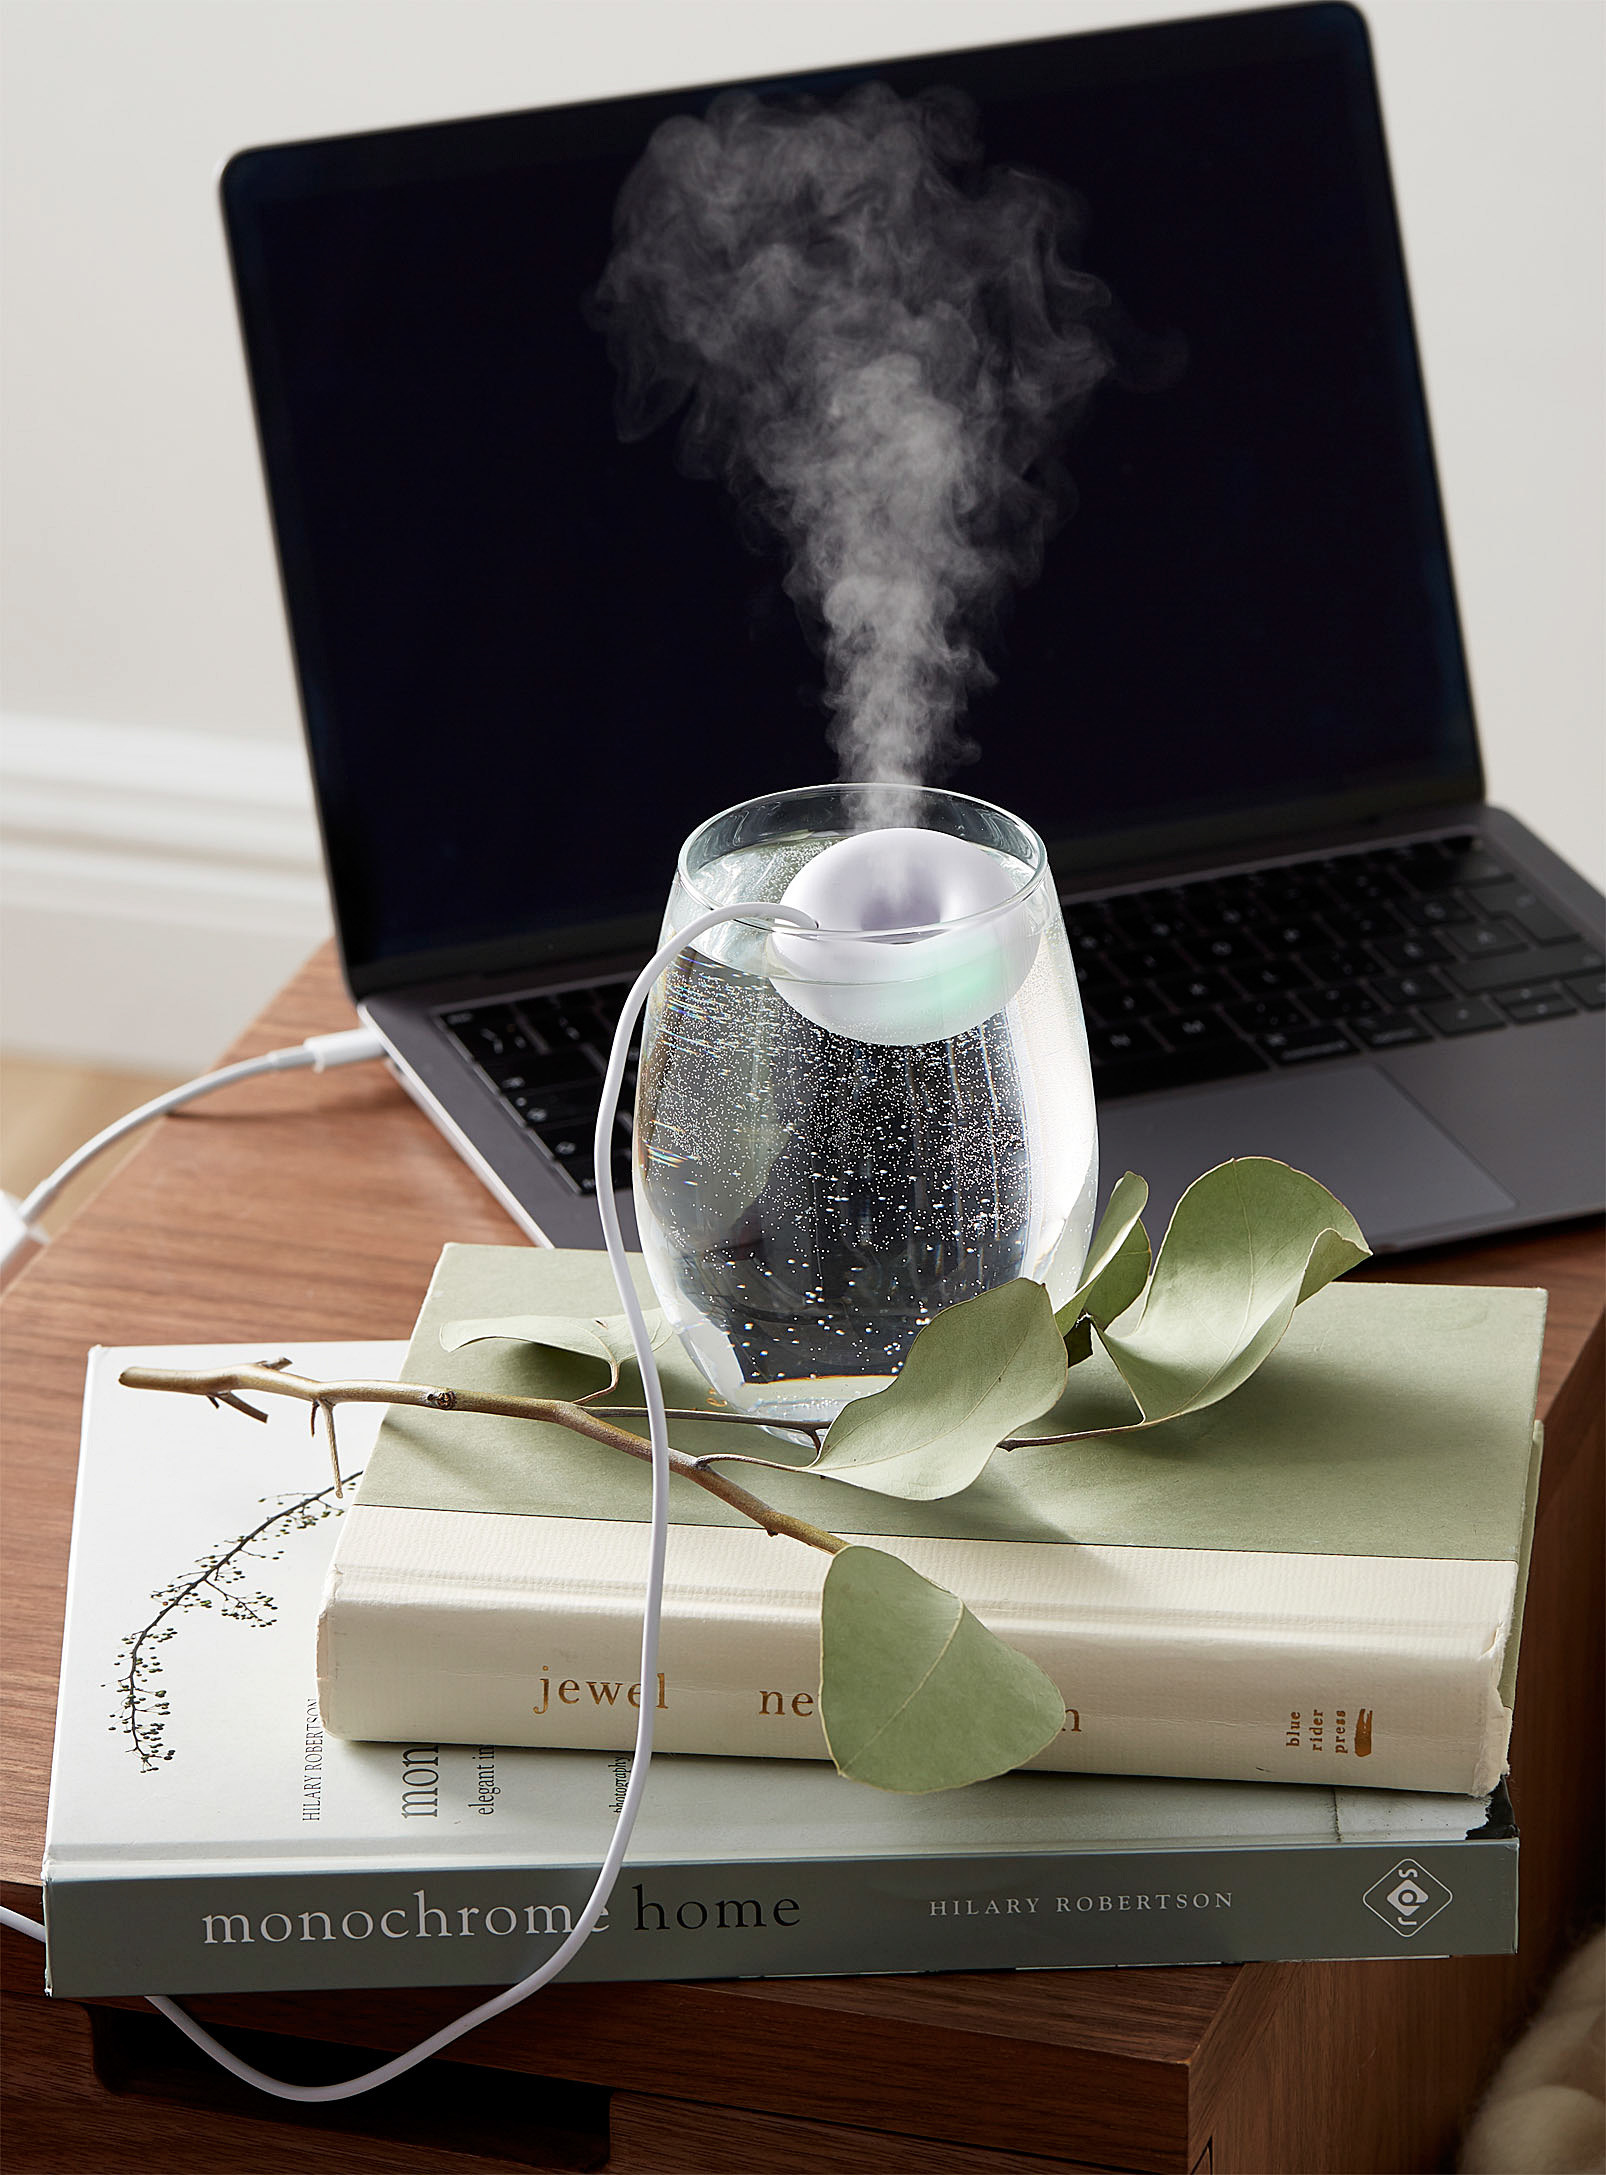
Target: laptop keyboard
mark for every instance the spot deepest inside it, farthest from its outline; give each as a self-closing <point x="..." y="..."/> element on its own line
<point x="544" y="1057"/>
<point x="1191" y="982"/>
<point x="1319" y="959"/>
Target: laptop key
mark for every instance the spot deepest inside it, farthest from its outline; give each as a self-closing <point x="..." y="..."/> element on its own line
<point x="1528" y="1002"/>
<point x="1361" y="877"/>
<point x="569" y="1110"/>
<point x="1440" y="910"/>
<point x="1283" y="934"/>
<point x="1539" y="922"/>
<point x="552" y="1021"/>
<point x="1406" y="952"/>
<point x="1118" y="1002"/>
<point x="508" y="1057"/>
<point x="1223" y="917"/>
<point x="1295" y="893"/>
<point x="1272" y="1016"/>
<point x="1386" y="1030"/>
<point x="1224" y="949"/>
<point x="1090" y="943"/>
<point x="488" y="1031"/>
<point x="1488" y="939"/>
<point x="1372" y="925"/>
<point x="1269" y="977"/>
<point x="1193" y="1030"/>
<point x="1471" y="862"/>
<point x="1118" y="1045"/>
<point x="459" y="1022"/>
<point x="1337" y="1001"/>
<point x="1187" y="1067"/>
<point x="1589" y="989"/>
<point x="1346" y="963"/>
<point x="1397" y="990"/>
<point x="1410" y="863"/>
<point x="1431" y="868"/>
<point x="515" y="1060"/>
<point x="1155" y="927"/>
<point x="1301" y="1045"/>
<point x="1462" y="1016"/>
<point x="564" y="1069"/>
<point x="1200" y="987"/>
<point x="1552" y="964"/>
<point x="1141" y="962"/>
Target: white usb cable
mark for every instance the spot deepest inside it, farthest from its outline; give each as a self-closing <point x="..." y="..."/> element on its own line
<point x="19" y="1220"/>
<point x="658" y="1532"/>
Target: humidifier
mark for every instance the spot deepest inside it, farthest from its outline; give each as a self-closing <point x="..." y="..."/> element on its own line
<point x="858" y="1114"/>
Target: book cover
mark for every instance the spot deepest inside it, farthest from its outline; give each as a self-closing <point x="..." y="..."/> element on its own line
<point x="206" y="1834"/>
<point x="1317" y="1580"/>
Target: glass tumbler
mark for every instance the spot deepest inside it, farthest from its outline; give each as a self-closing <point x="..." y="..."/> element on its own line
<point x="830" y="1145"/>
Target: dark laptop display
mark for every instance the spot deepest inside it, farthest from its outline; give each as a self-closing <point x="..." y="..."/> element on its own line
<point x="533" y="657"/>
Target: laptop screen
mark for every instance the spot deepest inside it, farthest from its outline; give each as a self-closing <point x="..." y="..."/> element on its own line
<point x="533" y="656"/>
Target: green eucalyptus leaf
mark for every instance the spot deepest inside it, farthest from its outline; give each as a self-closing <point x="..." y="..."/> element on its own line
<point x="976" y="1372"/>
<point x="1116" y="1268"/>
<point x="916" y="1693"/>
<point x="1248" y="1241"/>
<point x="604" y="1336"/>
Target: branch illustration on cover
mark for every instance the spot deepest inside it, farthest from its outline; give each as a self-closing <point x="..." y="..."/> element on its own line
<point x="142" y="1709"/>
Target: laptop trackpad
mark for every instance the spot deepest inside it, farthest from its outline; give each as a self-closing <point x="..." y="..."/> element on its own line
<point x="1395" y="1170"/>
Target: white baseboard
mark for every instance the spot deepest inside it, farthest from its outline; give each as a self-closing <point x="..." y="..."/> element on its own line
<point x="156" y="887"/>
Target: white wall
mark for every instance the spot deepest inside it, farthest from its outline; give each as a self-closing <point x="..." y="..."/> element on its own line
<point x="161" y="872"/>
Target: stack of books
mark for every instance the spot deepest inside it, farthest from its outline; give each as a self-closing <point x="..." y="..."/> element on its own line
<point x="1285" y="1630"/>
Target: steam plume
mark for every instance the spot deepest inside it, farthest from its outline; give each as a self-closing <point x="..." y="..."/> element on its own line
<point x="877" y="344"/>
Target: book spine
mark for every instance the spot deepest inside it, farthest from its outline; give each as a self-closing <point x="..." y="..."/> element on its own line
<point x="487" y="1925"/>
<point x="1355" y="1673"/>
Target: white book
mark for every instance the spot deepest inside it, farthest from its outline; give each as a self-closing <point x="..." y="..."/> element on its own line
<point x="1317" y="1580"/>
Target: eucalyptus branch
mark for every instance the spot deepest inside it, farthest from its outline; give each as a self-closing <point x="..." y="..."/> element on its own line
<point x="225" y="1384"/>
<point x="814" y="1429"/>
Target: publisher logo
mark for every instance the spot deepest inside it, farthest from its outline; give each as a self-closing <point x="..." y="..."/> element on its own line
<point x="1407" y="1899"/>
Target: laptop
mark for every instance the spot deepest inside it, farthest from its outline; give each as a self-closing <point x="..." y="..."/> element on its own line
<point x="532" y="657"/>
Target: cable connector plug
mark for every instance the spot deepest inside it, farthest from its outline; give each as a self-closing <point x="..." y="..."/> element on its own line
<point x="351" y="1046"/>
<point x="17" y="1236"/>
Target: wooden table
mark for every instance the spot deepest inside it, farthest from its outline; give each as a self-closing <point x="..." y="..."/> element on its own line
<point x="304" y="1207"/>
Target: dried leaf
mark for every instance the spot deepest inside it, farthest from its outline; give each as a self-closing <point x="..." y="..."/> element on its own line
<point x="976" y="1372"/>
<point x="1248" y="1241"/>
<point x="1116" y="1269"/>
<point x="916" y="1694"/>
<point x="604" y="1336"/>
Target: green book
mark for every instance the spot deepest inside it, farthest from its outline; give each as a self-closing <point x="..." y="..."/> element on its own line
<point x="1317" y="1580"/>
<point x="208" y="1834"/>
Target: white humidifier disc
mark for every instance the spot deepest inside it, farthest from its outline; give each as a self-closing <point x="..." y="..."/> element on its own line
<point x="864" y="977"/>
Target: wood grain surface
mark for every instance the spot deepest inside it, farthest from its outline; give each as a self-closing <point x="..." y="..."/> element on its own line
<point x="308" y="1207"/>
